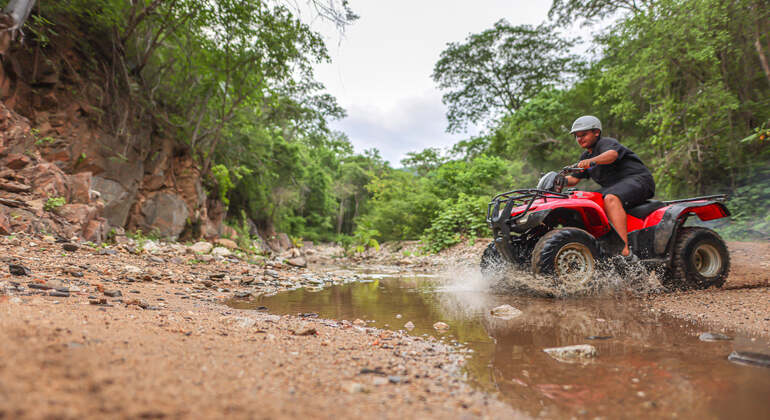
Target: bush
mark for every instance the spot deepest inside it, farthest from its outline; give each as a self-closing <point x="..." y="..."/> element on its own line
<point x="54" y="203"/>
<point x="457" y="219"/>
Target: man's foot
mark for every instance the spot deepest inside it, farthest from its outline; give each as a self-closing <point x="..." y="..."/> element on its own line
<point x="631" y="258"/>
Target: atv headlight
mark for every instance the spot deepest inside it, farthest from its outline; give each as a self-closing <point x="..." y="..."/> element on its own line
<point x="523" y="220"/>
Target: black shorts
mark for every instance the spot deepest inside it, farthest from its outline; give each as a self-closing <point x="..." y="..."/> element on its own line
<point x="631" y="191"/>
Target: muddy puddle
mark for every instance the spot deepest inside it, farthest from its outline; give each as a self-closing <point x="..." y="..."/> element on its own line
<point x="648" y="364"/>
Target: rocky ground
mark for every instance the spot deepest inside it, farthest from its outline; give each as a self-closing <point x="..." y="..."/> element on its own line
<point x="141" y="329"/>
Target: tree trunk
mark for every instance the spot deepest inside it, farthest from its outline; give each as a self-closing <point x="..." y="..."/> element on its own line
<point x="340" y="216"/>
<point x="12" y="19"/>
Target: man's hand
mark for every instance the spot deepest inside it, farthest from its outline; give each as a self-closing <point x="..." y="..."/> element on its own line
<point x="585" y="164"/>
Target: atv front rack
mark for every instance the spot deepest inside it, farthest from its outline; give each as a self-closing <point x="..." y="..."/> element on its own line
<point x="517" y="198"/>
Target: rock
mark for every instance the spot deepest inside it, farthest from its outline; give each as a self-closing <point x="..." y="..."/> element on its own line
<point x="117" y="199"/>
<point x="221" y="252"/>
<point x="18" y="270"/>
<point x="56" y="293"/>
<point x="359" y="322"/>
<point x="227" y="243"/>
<point x="354" y="388"/>
<point x="132" y="269"/>
<point x="16" y="161"/>
<point x="440" y="326"/>
<point x="750" y="358"/>
<point x="155" y="259"/>
<point x="572" y="354"/>
<point x="80" y="188"/>
<point x="379" y="381"/>
<point x="241" y="295"/>
<point x="297" y="262"/>
<point x="165" y="213"/>
<point x="284" y="241"/>
<point x="70" y="247"/>
<point x="5" y="222"/>
<point x="14" y="187"/>
<point x="113" y="293"/>
<point x="201" y="247"/>
<point x="40" y="286"/>
<point x="151" y="247"/>
<point x="505" y="312"/>
<point x="707" y="336"/>
<point x="306" y="332"/>
<point x="394" y="379"/>
<point x="107" y="251"/>
<point x="244" y="322"/>
<point x="398" y="316"/>
<point x="409" y="325"/>
<point x="272" y="273"/>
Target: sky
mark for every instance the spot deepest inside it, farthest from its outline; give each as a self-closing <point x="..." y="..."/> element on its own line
<point x="381" y="67"/>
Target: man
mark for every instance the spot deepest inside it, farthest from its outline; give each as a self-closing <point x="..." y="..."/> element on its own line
<point x="625" y="181"/>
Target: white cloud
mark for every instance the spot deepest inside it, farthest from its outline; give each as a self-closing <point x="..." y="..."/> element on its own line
<point x="381" y="69"/>
<point x="415" y="123"/>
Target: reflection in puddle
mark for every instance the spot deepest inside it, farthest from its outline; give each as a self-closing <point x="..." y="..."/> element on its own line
<point x="648" y="365"/>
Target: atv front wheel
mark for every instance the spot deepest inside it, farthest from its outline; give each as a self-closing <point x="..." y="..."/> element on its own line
<point x="701" y="260"/>
<point x="492" y="262"/>
<point x="567" y="254"/>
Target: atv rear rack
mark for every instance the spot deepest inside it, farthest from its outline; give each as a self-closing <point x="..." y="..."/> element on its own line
<point x="517" y="198"/>
<point x="718" y="197"/>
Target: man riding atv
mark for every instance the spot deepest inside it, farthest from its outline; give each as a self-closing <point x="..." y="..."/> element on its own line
<point x="625" y="181"/>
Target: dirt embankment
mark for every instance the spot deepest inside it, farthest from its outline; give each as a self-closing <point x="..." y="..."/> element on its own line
<point x="106" y="333"/>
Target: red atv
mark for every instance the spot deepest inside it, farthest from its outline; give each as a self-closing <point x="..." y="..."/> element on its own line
<point x="564" y="235"/>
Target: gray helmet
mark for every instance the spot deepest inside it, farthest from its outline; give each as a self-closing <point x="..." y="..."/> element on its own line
<point x="585" y="123"/>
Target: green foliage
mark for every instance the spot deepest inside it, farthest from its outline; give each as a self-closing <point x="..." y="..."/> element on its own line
<point x="464" y="217"/>
<point x="53" y="204"/>
<point x="496" y="71"/>
<point x="364" y="237"/>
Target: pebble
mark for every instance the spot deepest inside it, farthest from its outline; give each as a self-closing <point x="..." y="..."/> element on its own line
<point x="708" y="336"/>
<point x="354" y="388"/>
<point x="505" y="312"/>
<point x="18" y="270"/>
<point x="571" y="354"/>
<point x="113" y="293"/>
<point x="441" y="326"/>
<point x="57" y="293"/>
<point x="69" y="247"/>
<point x="409" y="325"/>
<point x="750" y="358"/>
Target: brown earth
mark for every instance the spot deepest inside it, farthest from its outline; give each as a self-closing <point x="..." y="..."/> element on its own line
<point x="743" y="304"/>
<point x="169" y="347"/>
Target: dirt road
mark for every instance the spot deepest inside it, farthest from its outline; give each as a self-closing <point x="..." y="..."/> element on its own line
<point x="102" y="332"/>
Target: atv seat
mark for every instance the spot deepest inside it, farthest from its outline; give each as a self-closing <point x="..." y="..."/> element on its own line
<point x="643" y="210"/>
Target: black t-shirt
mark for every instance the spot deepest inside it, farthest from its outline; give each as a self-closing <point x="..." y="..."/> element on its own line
<point x="627" y="164"/>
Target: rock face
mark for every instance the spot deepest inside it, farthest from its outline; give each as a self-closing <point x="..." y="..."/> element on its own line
<point x="103" y="156"/>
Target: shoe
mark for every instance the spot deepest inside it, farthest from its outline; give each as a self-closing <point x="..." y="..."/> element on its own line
<point x="631" y="258"/>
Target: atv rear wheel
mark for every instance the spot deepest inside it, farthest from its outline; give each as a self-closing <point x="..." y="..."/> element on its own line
<point x="701" y="260"/>
<point x="492" y="262"/>
<point x="567" y="254"/>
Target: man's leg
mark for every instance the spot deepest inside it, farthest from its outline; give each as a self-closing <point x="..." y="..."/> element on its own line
<point x="617" y="215"/>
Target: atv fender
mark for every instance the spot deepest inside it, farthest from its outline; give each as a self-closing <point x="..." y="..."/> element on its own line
<point x="675" y="216"/>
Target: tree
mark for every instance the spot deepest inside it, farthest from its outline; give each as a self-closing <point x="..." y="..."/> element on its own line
<point x="496" y="71"/>
<point x="565" y="12"/>
<point x="12" y="19"/>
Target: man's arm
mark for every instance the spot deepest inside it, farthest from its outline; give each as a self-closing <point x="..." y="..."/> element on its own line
<point x="603" y="159"/>
<point x="572" y="181"/>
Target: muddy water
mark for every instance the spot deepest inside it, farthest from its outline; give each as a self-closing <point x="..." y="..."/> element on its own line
<point x="648" y="365"/>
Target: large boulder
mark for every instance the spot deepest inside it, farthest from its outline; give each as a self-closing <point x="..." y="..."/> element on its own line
<point x="165" y="214"/>
<point x="117" y="200"/>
